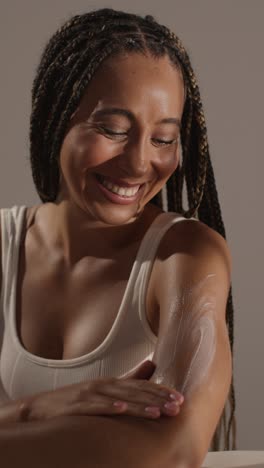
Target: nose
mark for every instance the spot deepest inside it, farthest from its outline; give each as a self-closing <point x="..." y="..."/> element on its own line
<point x="135" y="160"/>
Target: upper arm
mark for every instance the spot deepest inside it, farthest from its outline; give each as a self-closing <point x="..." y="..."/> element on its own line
<point x="193" y="352"/>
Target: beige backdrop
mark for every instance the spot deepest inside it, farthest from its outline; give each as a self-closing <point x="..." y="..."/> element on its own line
<point x="225" y="42"/>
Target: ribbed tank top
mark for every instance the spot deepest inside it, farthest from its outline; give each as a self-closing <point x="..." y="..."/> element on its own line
<point x="129" y="342"/>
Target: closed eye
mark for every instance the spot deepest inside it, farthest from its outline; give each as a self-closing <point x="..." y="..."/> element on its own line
<point x="158" y="141"/>
<point x="165" y="142"/>
<point x="110" y="132"/>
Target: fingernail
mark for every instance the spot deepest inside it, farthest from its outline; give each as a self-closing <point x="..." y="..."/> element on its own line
<point x="178" y="398"/>
<point x="119" y="404"/>
<point x="172" y="405"/>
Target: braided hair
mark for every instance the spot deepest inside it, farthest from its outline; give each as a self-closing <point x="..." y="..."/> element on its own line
<point x="67" y="64"/>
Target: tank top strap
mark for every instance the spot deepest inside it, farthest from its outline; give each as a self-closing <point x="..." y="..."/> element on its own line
<point x="155" y="233"/>
<point x="147" y="254"/>
<point x="12" y="221"/>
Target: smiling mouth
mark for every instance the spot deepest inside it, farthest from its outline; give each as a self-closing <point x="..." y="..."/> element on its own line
<point x="123" y="191"/>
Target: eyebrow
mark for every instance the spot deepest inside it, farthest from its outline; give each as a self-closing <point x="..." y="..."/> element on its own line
<point x="131" y="117"/>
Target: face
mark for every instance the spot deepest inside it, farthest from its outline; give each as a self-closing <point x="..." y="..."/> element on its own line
<point x="125" y="132"/>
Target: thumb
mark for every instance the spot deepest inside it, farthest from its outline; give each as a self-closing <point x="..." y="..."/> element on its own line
<point x="143" y="371"/>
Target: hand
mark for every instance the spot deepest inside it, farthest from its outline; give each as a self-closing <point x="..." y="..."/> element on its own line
<point x="97" y="397"/>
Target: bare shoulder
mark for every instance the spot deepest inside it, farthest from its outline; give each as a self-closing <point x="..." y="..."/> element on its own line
<point x="188" y="249"/>
<point x="192" y="237"/>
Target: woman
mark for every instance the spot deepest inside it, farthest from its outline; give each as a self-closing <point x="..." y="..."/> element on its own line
<point x="113" y="98"/>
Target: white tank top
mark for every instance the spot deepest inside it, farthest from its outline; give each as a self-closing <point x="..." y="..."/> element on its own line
<point x="129" y="342"/>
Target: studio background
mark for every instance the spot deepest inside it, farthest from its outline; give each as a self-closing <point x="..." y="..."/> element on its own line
<point x="225" y="44"/>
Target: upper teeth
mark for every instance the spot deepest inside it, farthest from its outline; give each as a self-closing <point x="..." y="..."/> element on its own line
<point x="127" y="192"/>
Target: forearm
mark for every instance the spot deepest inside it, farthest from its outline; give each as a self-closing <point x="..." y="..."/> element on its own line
<point x="55" y="443"/>
<point x="82" y="442"/>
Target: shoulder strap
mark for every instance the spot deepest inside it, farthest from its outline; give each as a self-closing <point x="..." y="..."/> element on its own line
<point x="156" y="231"/>
<point x="11" y="222"/>
<point x="159" y="228"/>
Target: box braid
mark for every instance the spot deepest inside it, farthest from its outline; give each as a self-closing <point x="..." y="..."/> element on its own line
<point x="67" y="64"/>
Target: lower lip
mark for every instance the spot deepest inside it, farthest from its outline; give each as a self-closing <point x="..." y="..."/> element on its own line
<point x="115" y="198"/>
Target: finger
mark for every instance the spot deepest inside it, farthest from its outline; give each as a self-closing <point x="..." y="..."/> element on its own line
<point x="131" y="409"/>
<point x="151" y="387"/>
<point x="132" y="394"/>
<point x="96" y="408"/>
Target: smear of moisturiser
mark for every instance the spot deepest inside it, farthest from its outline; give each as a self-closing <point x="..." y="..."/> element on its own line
<point x="184" y="361"/>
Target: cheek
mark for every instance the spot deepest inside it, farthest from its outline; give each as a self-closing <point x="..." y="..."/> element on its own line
<point x="167" y="162"/>
<point x="82" y="152"/>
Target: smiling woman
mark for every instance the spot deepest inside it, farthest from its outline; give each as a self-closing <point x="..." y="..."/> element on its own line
<point x="115" y="105"/>
<point x="126" y="133"/>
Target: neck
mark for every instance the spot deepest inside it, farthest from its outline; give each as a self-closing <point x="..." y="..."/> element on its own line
<point x="73" y="233"/>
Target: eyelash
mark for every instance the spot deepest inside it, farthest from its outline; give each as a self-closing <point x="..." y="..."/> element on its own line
<point x="161" y="142"/>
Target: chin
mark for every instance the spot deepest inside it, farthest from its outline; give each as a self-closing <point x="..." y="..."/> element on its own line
<point x="115" y="216"/>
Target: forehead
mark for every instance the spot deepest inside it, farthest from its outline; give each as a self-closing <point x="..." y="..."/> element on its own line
<point x="133" y="63"/>
<point x="136" y="80"/>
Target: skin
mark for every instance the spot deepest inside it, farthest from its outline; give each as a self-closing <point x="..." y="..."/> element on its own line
<point x="190" y="338"/>
<point x="81" y="220"/>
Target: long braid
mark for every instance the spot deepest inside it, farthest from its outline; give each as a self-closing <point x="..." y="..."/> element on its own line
<point x="202" y="197"/>
<point x="67" y="65"/>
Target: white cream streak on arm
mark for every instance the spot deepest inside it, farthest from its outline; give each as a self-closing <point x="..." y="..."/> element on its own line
<point x="184" y="360"/>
